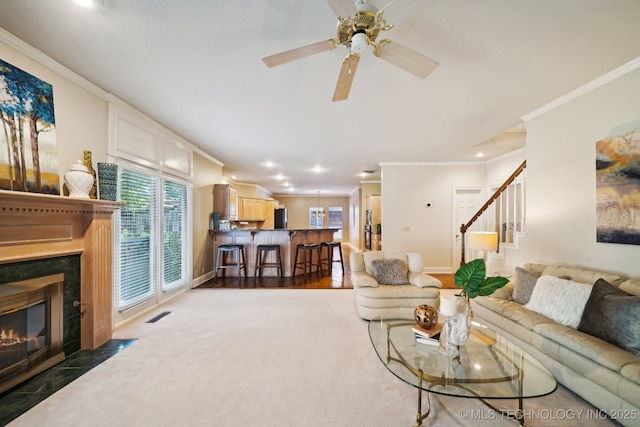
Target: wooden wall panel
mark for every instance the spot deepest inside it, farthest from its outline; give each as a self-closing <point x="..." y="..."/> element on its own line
<point x="38" y="226"/>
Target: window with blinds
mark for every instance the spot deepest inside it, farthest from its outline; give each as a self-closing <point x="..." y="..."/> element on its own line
<point x="174" y="227"/>
<point x="137" y="221"/>
<point x="155" y="215"/>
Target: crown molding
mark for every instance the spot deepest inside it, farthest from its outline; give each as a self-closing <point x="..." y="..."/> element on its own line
<point x="630" y="66"/>
<point x="34" y="54"/>
<point x="395" y="164"/>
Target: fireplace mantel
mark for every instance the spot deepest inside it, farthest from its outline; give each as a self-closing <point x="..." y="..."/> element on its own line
<point x="38" y="226"/>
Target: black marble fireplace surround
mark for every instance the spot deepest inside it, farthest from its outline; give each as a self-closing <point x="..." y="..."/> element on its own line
<point x="70" y="266"/>
<point x="26" y="395"/>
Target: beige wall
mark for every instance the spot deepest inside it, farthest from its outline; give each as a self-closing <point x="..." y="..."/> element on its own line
<point x="560" y="189"/>
<point x="205" y="174"/>
<point x="81" y="116"/>
<point x="409" y="226"/>
<point x="561" y="180"/>
<point x="251" y="190"/>
<point x="560" y="172"/>
<point x="82" y="119"/>
<point x="298" y="210"/>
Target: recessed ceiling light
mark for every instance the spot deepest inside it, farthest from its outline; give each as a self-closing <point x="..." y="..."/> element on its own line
<point x="481" y="154"/>
<point x="269" y="164"/>
<point x="280" y="177"/>
<point x="318" y="169"/>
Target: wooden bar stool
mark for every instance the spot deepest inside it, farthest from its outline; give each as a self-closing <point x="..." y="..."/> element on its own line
<point x="262" y="253"/>
<point x="306" y="263"/>
<point x="329" y="260"/>
<point x="325" y="257"/>
<point x="237" y="251"/>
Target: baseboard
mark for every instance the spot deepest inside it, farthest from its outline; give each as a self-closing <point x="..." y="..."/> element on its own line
<point x="438" y="270"/>
<point x="197" y="281"/>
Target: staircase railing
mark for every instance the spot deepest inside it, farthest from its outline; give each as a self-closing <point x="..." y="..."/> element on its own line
<point x="492" y="199"/>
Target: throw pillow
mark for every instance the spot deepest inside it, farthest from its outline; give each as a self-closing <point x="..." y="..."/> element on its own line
<point x="559" y="299"/>
<point x="390" y="271"/>
<point x="523" y="287"/>
<point x="613" y="315"/>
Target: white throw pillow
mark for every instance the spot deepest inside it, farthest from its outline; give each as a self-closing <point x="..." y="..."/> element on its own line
<point x="559" y="299"/>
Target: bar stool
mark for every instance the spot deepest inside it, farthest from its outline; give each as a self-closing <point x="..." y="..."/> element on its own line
<point x="262" y="252"/>
<point x="329" y="260"/>
<point x="238" y="255"/>
<point x="306" y="263"/>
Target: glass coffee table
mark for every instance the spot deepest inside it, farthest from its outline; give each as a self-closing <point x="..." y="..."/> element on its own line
<point x="488" y="366"/>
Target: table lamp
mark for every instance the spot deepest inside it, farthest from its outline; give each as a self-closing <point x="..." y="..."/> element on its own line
<point x="484" y="241"/>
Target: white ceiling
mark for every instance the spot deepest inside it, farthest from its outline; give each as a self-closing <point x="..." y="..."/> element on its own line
<point x="195" y="66"/>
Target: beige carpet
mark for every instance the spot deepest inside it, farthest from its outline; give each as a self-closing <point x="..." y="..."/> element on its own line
<point x="258" y="357"/>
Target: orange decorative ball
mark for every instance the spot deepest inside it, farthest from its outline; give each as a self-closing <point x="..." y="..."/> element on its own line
<point x="426" y="316"/>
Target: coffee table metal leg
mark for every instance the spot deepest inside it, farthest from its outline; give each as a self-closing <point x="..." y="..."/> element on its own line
<point x="420" y="416"/>
<point x="519" y="415"/>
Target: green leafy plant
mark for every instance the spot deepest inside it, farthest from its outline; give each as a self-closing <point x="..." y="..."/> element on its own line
<point x="473" y="281"/>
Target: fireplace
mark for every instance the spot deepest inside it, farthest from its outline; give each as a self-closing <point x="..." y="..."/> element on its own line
<point x="31" y="328"/>
<point x="37" y="228"/>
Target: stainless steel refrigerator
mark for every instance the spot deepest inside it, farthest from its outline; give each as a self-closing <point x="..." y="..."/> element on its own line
<point x="280" y="219"/>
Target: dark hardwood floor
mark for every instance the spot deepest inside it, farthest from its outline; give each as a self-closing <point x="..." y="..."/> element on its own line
<point x="337" y="280"/>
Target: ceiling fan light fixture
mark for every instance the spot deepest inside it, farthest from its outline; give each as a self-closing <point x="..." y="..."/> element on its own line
<point x="359" y="42"/>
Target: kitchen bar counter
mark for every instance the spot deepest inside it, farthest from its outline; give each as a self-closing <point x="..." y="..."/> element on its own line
<point x="287" y="239"/>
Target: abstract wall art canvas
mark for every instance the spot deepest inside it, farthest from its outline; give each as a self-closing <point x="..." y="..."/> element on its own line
<point x="28" y="148"/>
<point x="618" y="189"/>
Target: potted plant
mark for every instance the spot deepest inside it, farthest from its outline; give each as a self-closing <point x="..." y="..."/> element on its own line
<point x="472" y="280"/>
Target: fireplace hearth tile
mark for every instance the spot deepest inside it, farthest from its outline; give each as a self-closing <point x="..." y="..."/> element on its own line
<point x="25" y="396"/>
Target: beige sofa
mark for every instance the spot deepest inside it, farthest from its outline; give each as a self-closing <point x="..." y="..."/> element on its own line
<point x="605" y="374"/>
<point x="391" y="301"/>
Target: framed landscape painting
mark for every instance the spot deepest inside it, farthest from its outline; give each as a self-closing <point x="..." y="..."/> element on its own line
<point x="618" y="189"/>
<point x="28" y="148"/>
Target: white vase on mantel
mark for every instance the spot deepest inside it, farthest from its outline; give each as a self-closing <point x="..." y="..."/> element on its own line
<point x="79" y="181"/>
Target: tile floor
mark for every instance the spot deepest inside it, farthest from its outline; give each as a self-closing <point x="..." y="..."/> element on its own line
<point x="25" y="396"/>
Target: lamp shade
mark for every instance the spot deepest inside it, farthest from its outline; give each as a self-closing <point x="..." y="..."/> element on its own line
<point x="483" y="240"/>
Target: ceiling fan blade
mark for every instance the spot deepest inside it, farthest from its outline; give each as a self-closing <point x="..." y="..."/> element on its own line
<point x="347" y="72"/>
<point x="408" y="59"/>
<point x="395" y="11"/>
<point x="299" y="52"/>
<point x="342" y="8"/>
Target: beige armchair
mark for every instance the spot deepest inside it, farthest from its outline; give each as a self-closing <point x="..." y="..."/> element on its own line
<point x="391" y="285"/>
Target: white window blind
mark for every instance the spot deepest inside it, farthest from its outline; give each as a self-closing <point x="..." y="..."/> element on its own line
<point x="174" y="227"/>
<point x="138" y="219"/>
<point x="153" y="231"/>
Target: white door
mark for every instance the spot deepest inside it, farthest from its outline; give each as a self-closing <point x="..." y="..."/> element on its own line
<point x="467" y="201"/>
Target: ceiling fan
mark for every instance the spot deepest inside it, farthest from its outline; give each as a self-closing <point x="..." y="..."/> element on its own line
<point x="360" y="29"/>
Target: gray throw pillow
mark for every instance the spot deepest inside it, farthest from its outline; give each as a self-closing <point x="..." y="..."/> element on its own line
<point x="613" y="315"/>
<point x="390" y="271"/>
<point x="523" y="287"/>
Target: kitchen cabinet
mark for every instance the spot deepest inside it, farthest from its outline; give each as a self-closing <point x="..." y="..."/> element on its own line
<point x="225" y="201"/>
<point x="269" y="214"/>
<point x="250" y="209"/>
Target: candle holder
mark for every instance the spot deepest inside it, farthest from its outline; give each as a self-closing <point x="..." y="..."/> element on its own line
<point x="446" y="344"/>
